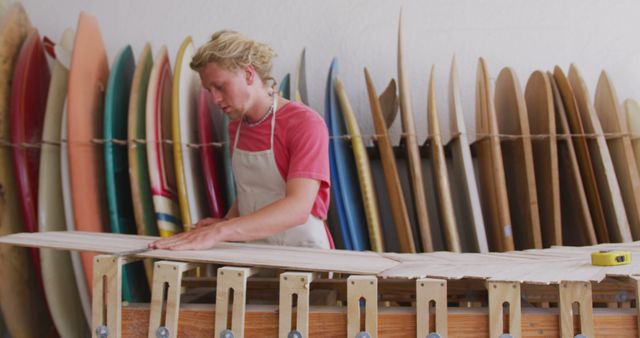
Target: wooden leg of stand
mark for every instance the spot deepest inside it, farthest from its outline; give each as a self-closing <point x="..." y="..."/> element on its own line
<point x="232" y="282"/>
<point x="430" y="290"/>
<point x="294" y="283"/>
<point x="501" y="293"/>
<point x="362" y="288"/>
<point x="580" y="293"/>
<point x="167" y="281"/>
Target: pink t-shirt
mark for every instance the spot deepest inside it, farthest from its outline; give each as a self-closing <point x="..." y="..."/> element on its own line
<point x="301" y="147"/>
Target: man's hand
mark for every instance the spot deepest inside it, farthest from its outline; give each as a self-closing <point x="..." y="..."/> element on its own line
<point x="204" y="237"/>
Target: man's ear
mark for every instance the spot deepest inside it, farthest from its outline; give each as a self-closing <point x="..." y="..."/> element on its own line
<point x="250" y="74"/>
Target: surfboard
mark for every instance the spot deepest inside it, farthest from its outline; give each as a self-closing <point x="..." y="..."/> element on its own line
<point x="344" y="178"/>
<point x="76" y="259"/>
<point x="542" y="123"/>
<point x="60" y="286"/>
<point x="211" y="156"/>
<point x="587" y="168"/>
<point x="300" y="83"/>
<point x="363" y="170"/>
<point x="606" y="178"/>
<point x="440" y="175"/>
<point x="470" y="222"/>
<point x="614" y="123"/>
<point x="135" y="287"/>
<point x="184" y="118"/>
<point x="29" y="91"/>
<point x="493" y="188"/>
<point x="21" y="298"/>
<point x="632" y="113"/>
<point x="229" y="180"/>
<point x="285" y="87"/>
<point x="87" y="81"/>
<point x="143" y="211"/>
<point x="412" y="152"/>
<point x="511" y="114"/>
<point x="575" y="206"/>
<point x="392" y="178"/>
<point x="159" y="153"/>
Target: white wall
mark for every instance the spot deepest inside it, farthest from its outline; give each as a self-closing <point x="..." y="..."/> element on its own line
<point x="525" y="35"/>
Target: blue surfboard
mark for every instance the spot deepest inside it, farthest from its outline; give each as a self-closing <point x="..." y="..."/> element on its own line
<point x="135" y="287"/>
<point x="344" y="177"/>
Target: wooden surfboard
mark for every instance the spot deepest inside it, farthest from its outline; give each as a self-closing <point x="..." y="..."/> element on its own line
<point x="87" y="82"/>
<point x="344" y="177"/>
<point x="632" y="113"/>
<point x="613" y="122"/>
<point x="511" y="114"/>
<point x="440" y="174"/>
<point x="21" y="298"/>
<point x="300" y="83"/>
<point x="412" y="151"/>
<point x="542" y="123"/>
<point x="285" y="87"/>
<point x="135" y="287"/>
<point x="211" y="156"/>
<point x="606" y="178"/>
<point x="29" y="91"/>
<point x="184" y="118"/>
<point x="391" y="176"/>
<point x="58" y="276"/>
<point x="159" y="153"/>
<point x="471" y="224"/>
<point x="575" y="206"/>
<point x="493" y="187"/>
<point x="76" y="259"/>
<point x="587" y="169"/>
<point x="363" y="168"/>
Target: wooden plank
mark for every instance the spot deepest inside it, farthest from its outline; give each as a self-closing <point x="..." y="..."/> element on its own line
<point x="167" y="279"/>
<point x="294" y="283"/>
<point x="615" y="125"/>
<point x="471" y="222"/>
<point x="362" y="288"/>
<point x="636" y="281"/>
<point x="580" y="293"/>
<point x="196" y="320"/>
<point x="440" y="175"/>
<point x="431" y="290"/>
<point x="231" y="286"/>
<point x="412" y="152"/>
<point x="632" y="111"/>
<point x="493" y="189"/>
<point x="612" y="204"/>
<point x="542" y="122"/>
<point x="501" y="293"/>
<point x="587" y="168"/>
<point x="575" y="206"/>
<point x="511" y="116"/>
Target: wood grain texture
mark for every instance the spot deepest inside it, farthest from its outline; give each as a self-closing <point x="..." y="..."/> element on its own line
<point x="493" y="189"/>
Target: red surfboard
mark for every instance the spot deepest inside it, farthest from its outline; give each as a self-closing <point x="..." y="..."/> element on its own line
<point x="209" y="154"/>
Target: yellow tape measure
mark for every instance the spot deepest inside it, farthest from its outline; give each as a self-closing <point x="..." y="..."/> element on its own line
<point x="610" y="258"/>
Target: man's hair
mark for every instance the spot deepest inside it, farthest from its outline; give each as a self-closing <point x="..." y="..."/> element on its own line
<point x="233" y="51"/>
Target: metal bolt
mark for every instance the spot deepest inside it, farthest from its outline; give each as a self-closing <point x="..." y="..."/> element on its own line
<point x="285" y="278"/>
<point x="102" y="331"/>
<point x="162" y="332"/>
<point x="433" y="335"/>
<point x="580" y="335"/>
<point x="226" y="334"/>
<point x="363" y="334"/>
<point x="506" y="335"/>
<point x="294" y="334"/>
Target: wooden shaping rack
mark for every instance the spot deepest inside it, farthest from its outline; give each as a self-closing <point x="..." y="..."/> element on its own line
<point x="268" y="291"/>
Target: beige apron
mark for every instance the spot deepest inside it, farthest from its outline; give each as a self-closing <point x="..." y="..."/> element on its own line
<point x="259" y="183"/>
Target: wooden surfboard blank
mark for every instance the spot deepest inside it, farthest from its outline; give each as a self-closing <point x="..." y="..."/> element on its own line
<point x="470" y="223"/>
<point x="493" y="188"/>
<point x="632" y="113"/>
<point x="606" y="178"/>
<point x="412" y="151"/>
<point x="614" y="123"/>
<point x="511" y="115"/>
<point x="542" y="123"/>
<point x="392" y="179"/>
<point x="21" y="299"/>
<point x="583" y="155"/>
<point x="58" y="276"/>
<point x="363" y="166"/>
<point x="440" y="174"/>
<point x="577" y="224"/>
